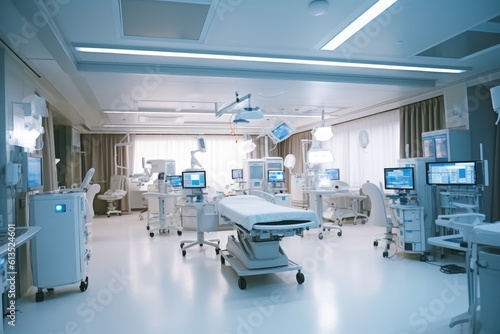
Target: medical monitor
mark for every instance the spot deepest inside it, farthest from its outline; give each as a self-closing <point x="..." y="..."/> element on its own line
<point x="399" y="178"/>
<point x="175" y="180"/>
<point x="237" y="174"/>
<point x="462" y="173"/>
<point x="34" y="172"/>
<point x="194" y="179"/>
<point x="274" y="176"/>
<point x="281" y="132"/>
<point x="333" y="173"/>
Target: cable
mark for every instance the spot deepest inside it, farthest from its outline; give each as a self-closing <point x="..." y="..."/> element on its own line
<point x="449" y="269"/>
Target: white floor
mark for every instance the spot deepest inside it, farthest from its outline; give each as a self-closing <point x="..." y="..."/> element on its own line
<point x="139" y="284"/>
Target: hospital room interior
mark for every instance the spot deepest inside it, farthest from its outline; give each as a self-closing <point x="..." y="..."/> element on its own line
<point x="231" y="166"/>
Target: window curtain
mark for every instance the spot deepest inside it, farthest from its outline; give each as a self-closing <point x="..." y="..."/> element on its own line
<point x="416" y="118"/>
<point x="222" y="154"/>
<point x="357" y="164"/>
<point x="293" y="145"/>
<point x="99" y="153"/>
<point x="48" y="151"/>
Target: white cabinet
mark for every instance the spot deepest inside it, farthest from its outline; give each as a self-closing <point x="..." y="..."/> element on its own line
<point x="412" y="229"/>
<point x="60" y="251"/>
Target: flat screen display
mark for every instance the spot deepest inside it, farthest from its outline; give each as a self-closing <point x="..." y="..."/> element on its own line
<point x="35" y="172"/>
<point x="451" y="173"/>
<point x="237" y="174"/>
<point x="333" y="173"/>
<point x="274" y="176"/>
<point x="281" y="132"/>
<point x="399" y="178"/>
<point x="175" y="180"/>
<point x="194" y="179"/>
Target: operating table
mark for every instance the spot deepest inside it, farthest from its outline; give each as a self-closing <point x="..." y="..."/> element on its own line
<point x="260" y="226"/>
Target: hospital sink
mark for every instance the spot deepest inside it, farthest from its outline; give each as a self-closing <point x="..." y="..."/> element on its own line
<point x="22" y="234"/>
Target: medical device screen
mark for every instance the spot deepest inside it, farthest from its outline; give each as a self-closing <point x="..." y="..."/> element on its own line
<point x="237" y="174"/>
<point x="282" y="132"/>
<point x="174" y="180"/>
<point x="399" y="178"/>
<point x="194" y="179"/>
<point x="451" y="173"/>
<point x="275" y="176"/>
<point x="333" y="173"/>
<point x="35" y="173"/>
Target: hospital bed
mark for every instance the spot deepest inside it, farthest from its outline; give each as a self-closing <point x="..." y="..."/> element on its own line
<point x="260" y="226"/>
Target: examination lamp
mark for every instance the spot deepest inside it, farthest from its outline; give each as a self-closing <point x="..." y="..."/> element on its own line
<point x="247" y="146"/>
<point x="319" y="155"/>
<point x="323" y="133"/>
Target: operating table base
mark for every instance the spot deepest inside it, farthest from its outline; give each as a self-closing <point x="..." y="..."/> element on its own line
<point x="235" y="256"/>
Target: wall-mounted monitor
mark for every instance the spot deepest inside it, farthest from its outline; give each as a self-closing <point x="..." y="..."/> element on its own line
<point x="34" y="172"/>
<point x="399" y="178"/>
<point x="281" y="132"/>
<point x="458" y="173"/>
<point x="274" y="176"/>
<point x="237" y="174"/>
<point x="194" y="179"/>
<point x="333" y="173"/>
<point x="174" y="180"/>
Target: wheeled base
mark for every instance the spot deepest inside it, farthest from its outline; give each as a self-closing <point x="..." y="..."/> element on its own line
<point x="200" y="240"/>
<point x="242" y="271"/>
<point x="39" y="296"/>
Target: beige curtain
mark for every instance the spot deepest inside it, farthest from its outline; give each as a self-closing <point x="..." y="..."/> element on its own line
<point x="99" y="154"/>
<point x="48" y="151"/>
<point x="293" y="145"/>
<point x="416" y="118"/>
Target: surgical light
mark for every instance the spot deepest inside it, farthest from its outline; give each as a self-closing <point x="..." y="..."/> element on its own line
<point x="247" y="146"/>
<point x="323" y="133"/>
<point x="319" y="155"/>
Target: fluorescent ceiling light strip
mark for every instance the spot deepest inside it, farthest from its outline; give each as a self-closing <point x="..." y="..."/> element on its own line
<point x="358" y="24"/>
<point x="181" y="114"/>
<point x="266" y="59"/>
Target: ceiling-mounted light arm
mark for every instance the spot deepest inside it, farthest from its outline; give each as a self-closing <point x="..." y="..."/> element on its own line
<point x="323" y="133"/>
<point x="219" y="113"/>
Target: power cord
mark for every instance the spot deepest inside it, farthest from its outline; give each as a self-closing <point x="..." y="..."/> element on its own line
<point x="449" y="269"/>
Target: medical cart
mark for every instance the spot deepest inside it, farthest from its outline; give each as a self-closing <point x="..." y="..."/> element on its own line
<point x="60" y="251"/>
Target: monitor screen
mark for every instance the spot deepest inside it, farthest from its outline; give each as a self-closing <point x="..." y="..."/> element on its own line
<point x="399" y="178"/>
<point x="281" y="132"/>
<point x="174" y="180"/>
<point x="451" y="173"/>
<point x="237" y="174"/>
<point x="274" y="176"/>
<point x="194" y="179"/>
<point x="333" y="173"/>
<point x="35" y="173"/>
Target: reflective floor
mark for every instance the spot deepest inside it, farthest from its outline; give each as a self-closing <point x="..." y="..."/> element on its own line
<point x="139" y="284"/>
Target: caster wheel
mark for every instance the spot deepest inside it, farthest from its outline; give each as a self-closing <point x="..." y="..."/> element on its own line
<point x="355" y="222"/>
<point x="339" y="233"/>
<point x="300" y="277"/>
<point x="388" y="246"/>
<point x="182" y="244"/>
<point x="385" y="254"/>
<point x="151" y="234"/>
<point x="324" y="229"/>
<point x="329" y="230"/>
<point x="340" y="224"/>
<point x="375" y="243"/>
<point x="423" y="258"/>
<point x="50" y="289"/>
<point x="109" y="216"/>
<point x="83" y="286"/>
<point x="222" y="260"/>
<point x="320" y="236"/>
<point x="179" y="232"/>
<point x="119" y="214"/>
<point x="183" y="253"/>
<point x="242" y="283"/>
<point x="217" y="251"/>
<point x="39" y="296"/>
<point x="147" y="227"/>
<point x="201" y="245"/>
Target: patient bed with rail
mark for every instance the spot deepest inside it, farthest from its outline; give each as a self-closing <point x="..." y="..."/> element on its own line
<point x="260" y="226"/>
